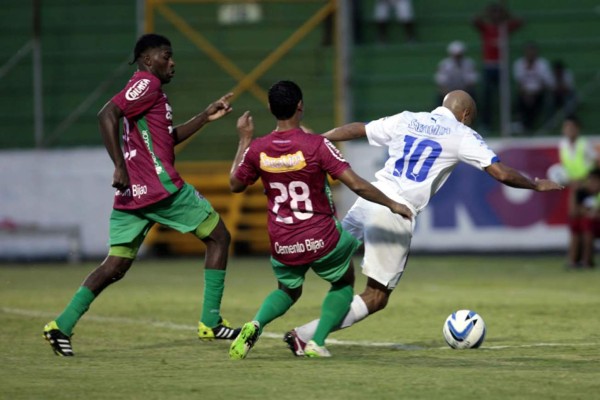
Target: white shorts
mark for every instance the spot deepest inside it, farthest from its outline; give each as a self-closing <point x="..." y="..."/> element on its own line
<point x="404" y="10"/>
<point x="386" y="237"/>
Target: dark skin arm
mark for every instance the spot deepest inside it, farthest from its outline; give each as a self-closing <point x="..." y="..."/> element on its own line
<point x="513" y="178"/>
<point x="108" y="123"/>
<point x="245" y="127"/>
<point x="369" y="192"/>
<point x="213" y="112"/>
<point x="354" y="130"/>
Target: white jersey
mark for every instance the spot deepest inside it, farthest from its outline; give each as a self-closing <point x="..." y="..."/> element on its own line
<point x="423" y="150"/>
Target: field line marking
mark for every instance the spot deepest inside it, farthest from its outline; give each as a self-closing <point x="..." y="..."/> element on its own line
<point x="272" y="335"/>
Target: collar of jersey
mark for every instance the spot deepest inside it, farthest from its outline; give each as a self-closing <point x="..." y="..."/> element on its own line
<point x="443" y="111"/>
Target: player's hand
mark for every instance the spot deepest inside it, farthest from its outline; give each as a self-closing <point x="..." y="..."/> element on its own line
<point x="219" y="108"/>
<point x="546" y="185"/>
<point x="245" y="126"/>
<point x="120" y="179"/>
<point x="402" y="210"/>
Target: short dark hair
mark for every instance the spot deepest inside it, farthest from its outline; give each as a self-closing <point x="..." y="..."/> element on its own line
<point x="574" y="119"/>
<point x="148" y="41"/>
<point x="284" y="97"/>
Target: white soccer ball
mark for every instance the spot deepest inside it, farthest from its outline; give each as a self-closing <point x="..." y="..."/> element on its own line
<point x="464" y="329"/>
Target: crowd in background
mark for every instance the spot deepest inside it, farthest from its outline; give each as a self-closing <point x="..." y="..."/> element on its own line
<point x="544" y="92"/>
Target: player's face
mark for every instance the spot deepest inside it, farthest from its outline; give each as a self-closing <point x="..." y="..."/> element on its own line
<point x="570" y="129"/>
<point x="162" y="64"/>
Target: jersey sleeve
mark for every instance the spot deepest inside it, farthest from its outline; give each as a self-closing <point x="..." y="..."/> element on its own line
<point x="474" y="151"/>
<point x="138" y="96"/>
<point x="381" y="131"/>
<point x="332" y="159"/>
<point x="246" y="170"/>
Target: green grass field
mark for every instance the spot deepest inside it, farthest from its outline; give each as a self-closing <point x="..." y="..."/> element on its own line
<point x="138" y="341"/>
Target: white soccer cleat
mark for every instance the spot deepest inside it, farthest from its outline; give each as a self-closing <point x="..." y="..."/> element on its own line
<point x="313" y="350"/>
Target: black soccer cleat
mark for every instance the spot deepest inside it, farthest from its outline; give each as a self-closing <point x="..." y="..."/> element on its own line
<point x="221" y="331"/>
<point x="61" y="343"/>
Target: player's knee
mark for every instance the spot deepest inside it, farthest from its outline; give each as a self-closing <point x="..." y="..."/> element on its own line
<point x="220" y="236"/>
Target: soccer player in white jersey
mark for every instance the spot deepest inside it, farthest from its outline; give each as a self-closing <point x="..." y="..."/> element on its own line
<point x="423" y="150"/>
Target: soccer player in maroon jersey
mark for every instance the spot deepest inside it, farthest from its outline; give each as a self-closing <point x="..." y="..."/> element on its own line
<point x="304" y="233"/>
<point x="150" y="190"/>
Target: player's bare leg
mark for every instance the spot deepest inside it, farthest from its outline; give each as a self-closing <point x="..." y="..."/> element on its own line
<point x="58" y="332"/>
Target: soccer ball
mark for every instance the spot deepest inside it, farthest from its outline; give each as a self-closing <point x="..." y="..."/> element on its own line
<point x="464" y="329"/>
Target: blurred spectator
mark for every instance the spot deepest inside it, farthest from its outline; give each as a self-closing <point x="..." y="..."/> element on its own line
<point x="404" y="14"/>
<point x="488" y="24"/>
<point x="328" y="24"/>
<point x="456" y="71"/>
<point x="534" y="81"/>
<point x="563" y="92"/>
<point x="577" y="158"/>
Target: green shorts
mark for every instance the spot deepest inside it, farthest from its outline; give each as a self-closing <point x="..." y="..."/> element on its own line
<point x="331" y="267"/>
<point x="185" y="211"/>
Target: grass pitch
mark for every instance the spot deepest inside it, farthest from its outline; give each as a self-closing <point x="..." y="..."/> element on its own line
<point x="138" y="341"/>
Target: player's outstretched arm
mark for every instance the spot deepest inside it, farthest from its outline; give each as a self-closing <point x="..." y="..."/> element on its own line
<point x="511" y="177"/>
<point x="214" y="111"/>
<point x="108" y="123"/>
<point x="369" y="192"/>
<point x="351" y="131"/>
<point x="245" y="127"/>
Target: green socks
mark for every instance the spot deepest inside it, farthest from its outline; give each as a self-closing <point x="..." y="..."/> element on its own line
<point x="214" y="284"/>
<point x="274" y="305"/>
<point x="334" y="308"/>
<point x="75" y="309"/>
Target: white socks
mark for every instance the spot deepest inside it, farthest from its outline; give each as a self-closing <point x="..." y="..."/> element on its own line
<point x="358" y="311"/>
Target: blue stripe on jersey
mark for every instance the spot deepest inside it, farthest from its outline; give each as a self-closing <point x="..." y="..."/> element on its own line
<point x="495" y="159"/>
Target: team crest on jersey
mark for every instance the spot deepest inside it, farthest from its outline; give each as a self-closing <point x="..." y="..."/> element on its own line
<point x="137" y="90"/>
<point x="284" y="163"/>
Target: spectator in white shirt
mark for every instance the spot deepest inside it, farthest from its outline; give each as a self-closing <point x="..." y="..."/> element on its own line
<point x="456" y="72"/>
<point x="404" y="14"/>
<point x="534" y="81"/>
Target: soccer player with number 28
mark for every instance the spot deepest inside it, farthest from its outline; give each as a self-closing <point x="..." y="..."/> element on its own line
<point x="304" y="233"/>
<point x="423" y="150"/>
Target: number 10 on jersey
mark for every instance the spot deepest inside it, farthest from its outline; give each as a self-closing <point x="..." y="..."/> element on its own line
<point x="422" y="147"/>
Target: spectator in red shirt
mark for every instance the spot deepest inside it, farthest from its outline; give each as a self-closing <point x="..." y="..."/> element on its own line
<point x="488" y="24"/>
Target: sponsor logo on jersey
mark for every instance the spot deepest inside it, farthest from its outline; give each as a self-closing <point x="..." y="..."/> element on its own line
<point x="310" y="244"/>
<point x="157" y="166"/>
<point x="284" y="163"/>
<point x="137" y="90"/>
<point x="133" y="191"/>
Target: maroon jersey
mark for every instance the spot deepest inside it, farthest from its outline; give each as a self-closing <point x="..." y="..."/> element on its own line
<point x="293" y="166"/>
<point x="148" y="144"/>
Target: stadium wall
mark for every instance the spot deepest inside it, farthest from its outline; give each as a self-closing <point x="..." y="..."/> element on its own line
<point x="46" y="192"/>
